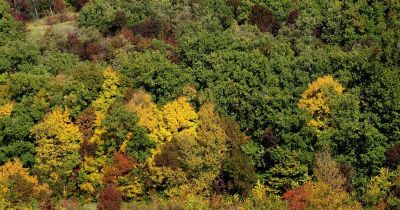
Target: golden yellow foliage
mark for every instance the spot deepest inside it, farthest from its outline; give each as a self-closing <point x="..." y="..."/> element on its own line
<point x="6" y="109"/>
<point x="106" y="98"/>
<point x="315" y="99"/>
<point x="57" y="152"/>
<point x="180" y="118"/>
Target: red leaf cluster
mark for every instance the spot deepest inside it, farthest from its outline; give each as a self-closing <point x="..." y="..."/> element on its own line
<point x="297" y="197"/>
<point x="122" y="165"/>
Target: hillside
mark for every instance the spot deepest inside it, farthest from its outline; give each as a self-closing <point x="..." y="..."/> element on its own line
<point x="199" y="104"/>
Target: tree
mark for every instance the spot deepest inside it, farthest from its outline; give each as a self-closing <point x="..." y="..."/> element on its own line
<point x="180" y="118"/>
<point x="202" y="157"/>
<point x="328" y="171"/>
<point x="155" y="73"/>
<point x="19" y="188"/>
<point x="264" y="19"/>
<point x="288" y="172"/>
<point x="150" y="116"/>
<point x="15" y="54"/>
<point x="10" y="29"/>
<point x="319" y="195"/>
<point x="315" y="99"/>
<point x="124" y="134"/>
<point x="57" y="150"/>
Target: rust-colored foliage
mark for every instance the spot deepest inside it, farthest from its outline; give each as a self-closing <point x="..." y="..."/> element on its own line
<point x="293" y="16"/>
<point x="149" y="28"/>
<point x="19" y="9"/>
<point x="264" y="19"/>
<point x="73" y="45"/>
<point x="122" y="165"/>
<point x="110" y="198"/>
<point x="129" y="35"/>
<point x="92" y="51"/>
<point x="20" y="16"/>
<point x="58" y="6"/>
<point x="298" y="197"/>
<point x="85" y="50"/>
<point x="85" y="123"/>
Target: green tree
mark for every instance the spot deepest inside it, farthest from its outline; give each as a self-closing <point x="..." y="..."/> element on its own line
<point x="155" y="73"/>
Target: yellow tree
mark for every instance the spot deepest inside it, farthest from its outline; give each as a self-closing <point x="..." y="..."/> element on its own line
<point x="57" y="151"/>
<point x="180" y="118"/>
<point x="18" y="189"/>
<point x="324" y="197"/>
<point x="107" y="97"/>
<point x="200" y="157"/>
<point x="6" y="109"/>
<point x="316" y="99"/>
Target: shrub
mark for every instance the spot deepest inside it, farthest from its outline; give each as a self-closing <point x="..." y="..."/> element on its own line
<point x="110" y="198"/>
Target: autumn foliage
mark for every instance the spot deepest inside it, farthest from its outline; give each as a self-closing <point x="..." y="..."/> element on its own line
<point x="110" y="198"/>
<point x="18" y="188"/>
<point x="264" y="19"/>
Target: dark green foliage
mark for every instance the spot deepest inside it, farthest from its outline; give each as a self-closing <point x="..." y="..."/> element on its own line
<point x="153" y="72"/>
<point x="23" y="150"/>
<point x="122" y="126"/>
<point x="238" y="174"/>
<point x="15" y="54"/>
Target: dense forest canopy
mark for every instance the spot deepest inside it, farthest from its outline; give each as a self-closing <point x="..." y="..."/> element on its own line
<point x="200" y="104"/>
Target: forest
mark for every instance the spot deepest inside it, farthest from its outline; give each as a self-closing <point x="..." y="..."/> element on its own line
<point x="200" y="104"/>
